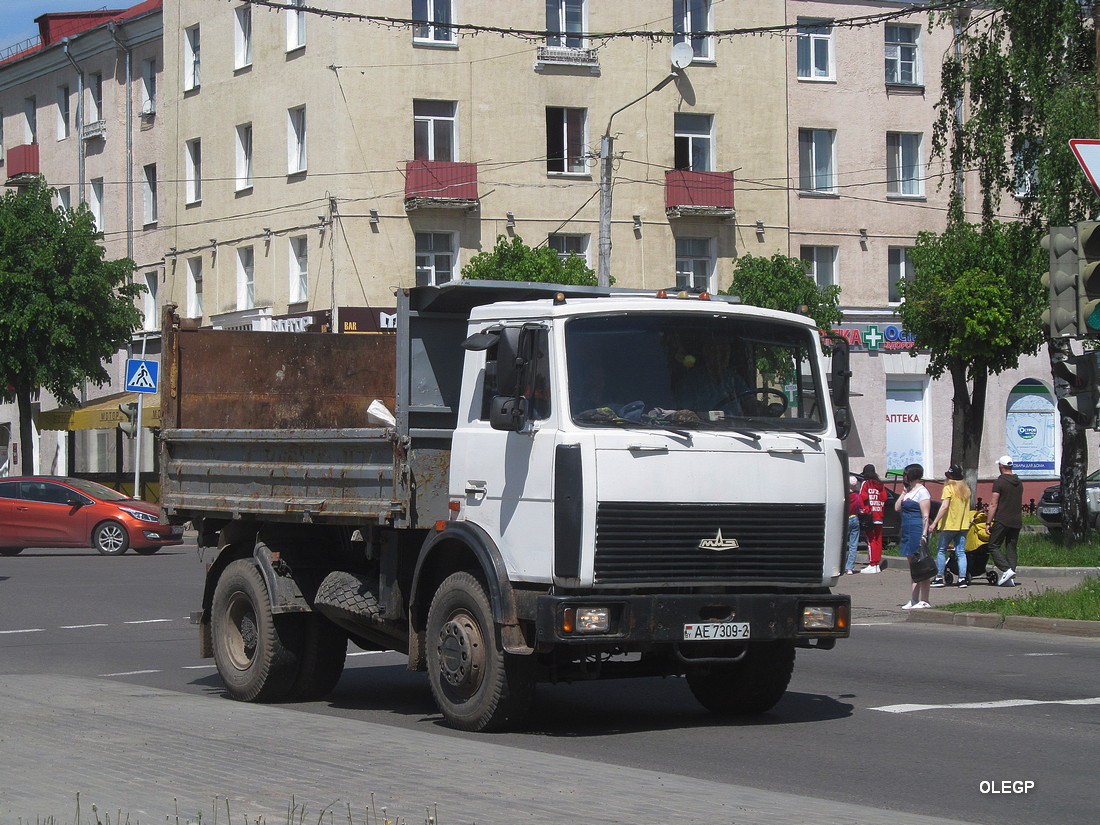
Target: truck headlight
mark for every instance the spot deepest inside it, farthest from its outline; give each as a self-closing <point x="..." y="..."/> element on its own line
<point x="586" y="620"/>
<point x="819" y="618"/>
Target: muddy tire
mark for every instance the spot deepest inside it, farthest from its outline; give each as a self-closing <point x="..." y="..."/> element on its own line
<point x="322" y="650"/>
<point x="255" y="651"/>
<point x="110" y="538"/>
<point x="752" y="685"/>
<point x="476" y="685"/>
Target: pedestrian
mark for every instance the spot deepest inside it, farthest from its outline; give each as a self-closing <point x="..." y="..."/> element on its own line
<point x="855" y="507"/>
<point x="1005" y="520"/>
<point x="872" y="496"/>
<point x="953" y="520"/>
<point x="914" y="505"/>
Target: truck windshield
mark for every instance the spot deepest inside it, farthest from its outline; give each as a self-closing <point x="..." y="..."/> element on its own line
<point x="693" y="372"/>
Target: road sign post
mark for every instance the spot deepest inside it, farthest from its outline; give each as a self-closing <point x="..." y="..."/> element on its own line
<point x="142" y="377"/>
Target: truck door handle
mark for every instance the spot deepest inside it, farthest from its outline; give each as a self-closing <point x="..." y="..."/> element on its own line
<point x="476" y="488"/>
<point x="648" y="448"/>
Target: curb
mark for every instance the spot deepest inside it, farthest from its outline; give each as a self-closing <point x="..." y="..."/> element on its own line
<point x="1031" y="624"/>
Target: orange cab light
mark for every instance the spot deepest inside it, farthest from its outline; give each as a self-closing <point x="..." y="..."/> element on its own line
<point x="704" y="296"/>
<point x="662" y="293"/>
<point x="567" y="620"/>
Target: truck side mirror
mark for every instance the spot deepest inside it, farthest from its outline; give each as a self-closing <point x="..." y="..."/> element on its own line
<point x="511" y="360"/>
<point x="841" y="383"/>
<point x="507" y="413"/>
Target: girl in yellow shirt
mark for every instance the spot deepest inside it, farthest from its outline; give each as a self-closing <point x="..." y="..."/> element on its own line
<point x="953" y="519"/>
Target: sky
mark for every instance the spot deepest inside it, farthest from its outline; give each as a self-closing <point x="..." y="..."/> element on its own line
<point x="17" y="16"/>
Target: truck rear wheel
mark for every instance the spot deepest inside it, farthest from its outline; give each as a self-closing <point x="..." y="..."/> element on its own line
<point x="476" y="685"/>
<point x="254" y="660"/>
<point x="323" y="648"/>
<point x="752" y="685"/>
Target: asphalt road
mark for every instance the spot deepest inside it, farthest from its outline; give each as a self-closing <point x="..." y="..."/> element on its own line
<point x="918" y="718"/>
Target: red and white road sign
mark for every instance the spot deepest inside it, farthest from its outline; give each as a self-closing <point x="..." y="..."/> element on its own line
<point x="1088" y="155"/>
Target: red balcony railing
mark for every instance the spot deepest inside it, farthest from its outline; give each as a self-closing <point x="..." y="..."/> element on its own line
<point x="441" y="180"/>
<point x="699" y="191"/>
<point x="22" y="160"/>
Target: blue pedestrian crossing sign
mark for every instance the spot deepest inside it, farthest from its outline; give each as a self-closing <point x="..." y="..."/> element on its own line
<point x="142" y="376"/>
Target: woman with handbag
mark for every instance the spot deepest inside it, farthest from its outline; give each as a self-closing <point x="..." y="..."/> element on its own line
<point x="914" y="505"/>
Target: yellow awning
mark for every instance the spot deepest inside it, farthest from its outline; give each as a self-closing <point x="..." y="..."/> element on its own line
<point x="101" y="414"/>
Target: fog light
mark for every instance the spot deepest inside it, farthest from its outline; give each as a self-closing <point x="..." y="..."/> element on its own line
<point x="152" y="535"/>
<point x="818" y="618"/>
<point x="586" y="620"/>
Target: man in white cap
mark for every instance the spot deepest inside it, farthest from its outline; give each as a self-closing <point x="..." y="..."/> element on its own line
<point x="1005" y="520"/>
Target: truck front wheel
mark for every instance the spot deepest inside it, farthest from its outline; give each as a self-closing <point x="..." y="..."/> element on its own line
<point x="476" y="685"/>
<point x="253" y="659"/>
<point x="752" y="685"/>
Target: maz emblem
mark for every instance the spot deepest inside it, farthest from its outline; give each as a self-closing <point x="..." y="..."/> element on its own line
<point x="718" y="543"/>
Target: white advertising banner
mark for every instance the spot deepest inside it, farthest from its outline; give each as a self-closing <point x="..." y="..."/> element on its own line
<point x="905" y="430"/>
<point x="1031" y="430"/>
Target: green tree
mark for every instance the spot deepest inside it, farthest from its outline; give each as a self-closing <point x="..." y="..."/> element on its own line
<point x="66" y="310"/>
<point x="1020" y="83"/>
<point x="783" y="283"/>
<point x="974" y="302"/>
<point x="513" y="260"/>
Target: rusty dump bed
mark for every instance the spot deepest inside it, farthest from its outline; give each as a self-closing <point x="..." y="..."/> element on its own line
<point x="274" y="425"/>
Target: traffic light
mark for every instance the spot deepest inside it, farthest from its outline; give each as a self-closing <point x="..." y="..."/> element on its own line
<point x="1061" y="318"/>
<point x="1078" y="397"/>
<point x="130" y="425"/>
<point x="1088" y="267"/>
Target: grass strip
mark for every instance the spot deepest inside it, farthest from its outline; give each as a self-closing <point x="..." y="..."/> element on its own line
<point x="1081" y="602"/>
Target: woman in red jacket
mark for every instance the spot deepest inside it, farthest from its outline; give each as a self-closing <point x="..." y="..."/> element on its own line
<point x="872" y="494"/>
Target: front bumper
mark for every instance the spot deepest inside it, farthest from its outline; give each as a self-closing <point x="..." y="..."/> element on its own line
<point x="636" y="620"/>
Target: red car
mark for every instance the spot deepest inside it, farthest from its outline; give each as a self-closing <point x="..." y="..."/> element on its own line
<point x="47" y="511"/>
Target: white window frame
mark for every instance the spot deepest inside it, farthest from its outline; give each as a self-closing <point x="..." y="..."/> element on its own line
<point x="64" y="197"/>
<point x="902" y="56"/>
<point x="432" y="248"/>
<point x="296" y="140"/>
<point x="298" y="265"/>
<point x="693" y="140"/>
<point x="192" y="52"/>
<point x="242" y="37"/>
<point x="572" y="161"/>
<point x="192" y="166"/>
<point x="295" y="26"/>
<point x="695" y="263"/>
<point x="823" y="264"/>
<point x="813" y="41"/>
<point x="566" y="244"/>
<point x="564" y="29"/>
<point x="194" y="287"/>
<point x="150" y="209"/>
<point x="431" y="123"/>
<point x="95" y="202"/>
<point x="243" y="157"/>
<point x="904" y="165"/>
<point x="149" y="86"/>
<point x="817" y="161"/>
<point x="30" y="119"/>
<point x="94" y="112"/>
<point x="63" y="112"/>
<point x="899" y="267"/>
<point x="246" y="277"/>
<point x="689" y="16"/>
<point x="435" y="19"/>
<point x="149" y="301"/>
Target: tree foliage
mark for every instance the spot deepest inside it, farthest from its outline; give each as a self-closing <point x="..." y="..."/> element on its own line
<point x="66" y="311"/>
<point x="783" y="283"/>
<point x="513" y="260"/>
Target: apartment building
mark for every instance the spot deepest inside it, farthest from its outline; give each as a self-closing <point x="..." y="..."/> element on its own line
<point x="78" y="106"/>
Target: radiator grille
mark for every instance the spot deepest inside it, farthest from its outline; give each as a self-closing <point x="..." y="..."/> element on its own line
<point x="659" y="543"/>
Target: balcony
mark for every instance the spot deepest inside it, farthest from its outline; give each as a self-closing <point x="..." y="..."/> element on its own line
<point x="96" y="129"/>
<point x="705" y="194"/>
<point x="439" y="184"/>
<point x="22" y="162"/>
<point x="552" y="57"/>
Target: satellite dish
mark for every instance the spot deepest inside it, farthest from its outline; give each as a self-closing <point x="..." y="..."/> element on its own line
<point x="682" y="55"/>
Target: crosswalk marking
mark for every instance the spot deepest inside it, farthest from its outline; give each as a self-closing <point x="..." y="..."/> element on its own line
<point x="1002" y="703"/>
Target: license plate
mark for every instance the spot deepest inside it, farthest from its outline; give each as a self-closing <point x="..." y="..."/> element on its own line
<point x="177" y="531"/>
<point x="1049" y="511"/>
<point x="716" y="631"/>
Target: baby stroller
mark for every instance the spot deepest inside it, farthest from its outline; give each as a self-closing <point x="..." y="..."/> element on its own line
<point x="977" y="553"/>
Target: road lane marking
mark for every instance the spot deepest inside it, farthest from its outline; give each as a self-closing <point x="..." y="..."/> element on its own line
<point x="81" y="626"/>
<point x="368" y="652"/>
<point x="150" y="621"/>
<point x="128" y="673"/>
<point x="199" y="667"/>
<point x="1004" y="703"/>
<point x="26" y="630"/>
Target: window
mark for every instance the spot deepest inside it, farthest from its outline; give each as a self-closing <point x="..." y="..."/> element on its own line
<point x="568" y="245"/>
<point x="246" y="278"/>
<point x="565" y="23"/>
<point x="694" y="263"/>
<point x="694" y="142"/>
<point x="149" y="86"/>
<point x="299" y="269"/>
<point x="95" y="99"/>
<point x="149" y="178"/>
<point x="95" y="202"/>
<point x="192" y="163"/>
<point x="435" y="258"/>
<point x="1025" y="172"/>
<point x="822" y="261"/>
<point x="30" y="120"/>
<point x="242" y="37"/>
<point x="296" y="140"/>
<point x="565" y="140"/>
<point x="64" y="197"/>
<point x="902" y="54"/>
<point x="244" y="157"/>
<point x="433" y="19"/>
<point x="903" y="165"/>
<point x="191" y="75"/>
<point x="536" y="376"/>
<point x="149" y="299"/>
<point x="815" y="50"/>
<point x="194" y="287"/>
<point x="815" y="161"/>
<point x="62" y="112"/>
<point x="689" y="16"/>
<point x="434" y="130"/>
<point x="899" y="268"/>
<point x="295" y="26"/>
